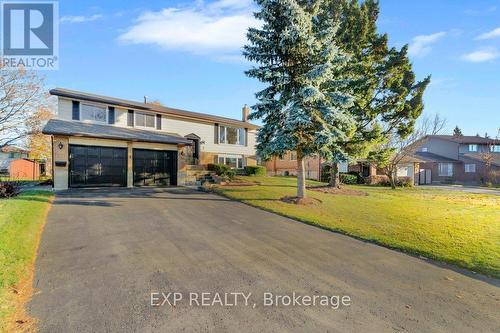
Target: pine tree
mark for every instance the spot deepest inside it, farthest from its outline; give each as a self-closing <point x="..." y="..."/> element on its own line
<point x="304" y="103"/>
<point x="457" y="132"/>
<point x="387" y="97"/>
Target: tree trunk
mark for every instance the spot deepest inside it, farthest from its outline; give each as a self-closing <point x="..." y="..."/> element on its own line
<point x="334" y="175"/>
<point x="301" y="177"/>
<point x="392" y="178"/>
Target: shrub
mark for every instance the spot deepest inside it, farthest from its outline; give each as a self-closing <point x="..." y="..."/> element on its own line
<point x="256" y="170"/>
<point x="222" y="170"/>
<point x="346" y="178"/>
<point x="404" y="182"/>
<point x="325" y="175"/>
<point x="9" y="189"/>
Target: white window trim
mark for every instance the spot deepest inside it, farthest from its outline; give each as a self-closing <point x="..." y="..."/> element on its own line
<point x="105" y="107"/>
<point x="466" y="170"/>
<point x="424" y="149"/>
<point x="145" y="127"/>
<point x="473" y="150"/>
<point x="232" y="156"/>
<point x="225" y="135"/>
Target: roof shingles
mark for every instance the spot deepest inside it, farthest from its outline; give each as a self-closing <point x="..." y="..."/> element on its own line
<point x="77" y="128"/>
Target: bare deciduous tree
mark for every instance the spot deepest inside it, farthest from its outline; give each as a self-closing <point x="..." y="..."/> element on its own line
<point x="21" y="95"/>
<point x="397" y="149"/>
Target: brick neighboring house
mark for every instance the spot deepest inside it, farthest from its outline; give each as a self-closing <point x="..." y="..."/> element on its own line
<point x="458" y="160"/>
<point x="287" y="166"/>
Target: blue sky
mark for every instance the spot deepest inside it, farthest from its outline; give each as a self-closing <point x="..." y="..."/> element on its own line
<point x="187" y="54"/>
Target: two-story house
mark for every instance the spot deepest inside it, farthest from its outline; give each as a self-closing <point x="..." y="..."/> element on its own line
<point x="105" y="141"/>
<point x="458" y="159"/>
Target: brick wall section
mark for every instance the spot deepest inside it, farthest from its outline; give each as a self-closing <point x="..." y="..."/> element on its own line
<point x="279" y="167"/>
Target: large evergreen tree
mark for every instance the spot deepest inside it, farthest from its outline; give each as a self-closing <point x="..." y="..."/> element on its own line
<point x="387" y="96"/>
<point x="304" y="103"/>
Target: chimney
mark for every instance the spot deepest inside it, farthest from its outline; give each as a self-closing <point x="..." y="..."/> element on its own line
<point x="245" y="112"/>
<point x="145" y="99"/>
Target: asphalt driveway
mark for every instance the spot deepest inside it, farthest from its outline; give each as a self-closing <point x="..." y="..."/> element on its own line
<point x="103" y="253"/>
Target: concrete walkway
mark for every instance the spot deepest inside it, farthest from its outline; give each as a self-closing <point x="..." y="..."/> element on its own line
<point x="104" y="252"/>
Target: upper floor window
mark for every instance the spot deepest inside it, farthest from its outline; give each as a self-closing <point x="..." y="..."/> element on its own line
<point x="232" y="135"/>
<point x="445" y="169"/>
<point x="470" y="168"/>
<point x="145" y="120"/>
<point x="495" y="148"/>
<point x="92" y="113"/>
<point x="293" y="156"/>
<point x="473" y="148"/>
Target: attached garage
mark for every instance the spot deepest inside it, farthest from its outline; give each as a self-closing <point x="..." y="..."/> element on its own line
<point x="94" y="166"/>
<point x="154" y="167"/>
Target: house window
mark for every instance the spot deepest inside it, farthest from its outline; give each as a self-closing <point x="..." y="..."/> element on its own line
<point x="14" y="155"/>
<point x="424" y="150"/>
<point x="404" y="171"/>
<point x="472" y="148"/>
<point x="232" y="135"/>
<point x="145" y="120"/>
<point x="445" y="169"/>
<point x="495" y="148"/>
<point x="470" y="168"/>
<point x="93" y="113"/>
<point x="293" y="156"/>
<point x="235" y="162"/>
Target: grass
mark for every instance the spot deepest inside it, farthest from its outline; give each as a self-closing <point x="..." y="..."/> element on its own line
<point x="21" y="222"/>
<point x="451" y="226"/>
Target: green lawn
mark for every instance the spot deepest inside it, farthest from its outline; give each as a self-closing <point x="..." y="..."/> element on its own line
<point x="21" y="221"/>
<point x="452" y="226"/>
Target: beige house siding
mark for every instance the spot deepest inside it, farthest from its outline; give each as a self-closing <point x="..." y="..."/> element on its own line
<point x="177" y="125"/>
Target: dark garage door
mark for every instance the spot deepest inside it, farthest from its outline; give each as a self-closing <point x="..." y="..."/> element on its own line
<point x="155" y="167"/>
<point x="97" y="166"/>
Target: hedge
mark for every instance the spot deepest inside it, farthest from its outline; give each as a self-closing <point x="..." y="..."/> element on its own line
<point x="256" y="170"/>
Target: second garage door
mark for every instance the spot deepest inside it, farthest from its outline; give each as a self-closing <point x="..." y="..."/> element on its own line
<point x="155" y="167"/>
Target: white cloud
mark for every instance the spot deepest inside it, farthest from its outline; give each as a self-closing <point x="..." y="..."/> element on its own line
<point x="421" y="45"/>
<point x="80" y="18"/>
<point x="481" y="55"/>
<point x="490" y="34"/>
<point x="218" y="28"/>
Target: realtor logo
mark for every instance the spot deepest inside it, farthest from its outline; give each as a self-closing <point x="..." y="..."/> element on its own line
<point x="29" y="34"/>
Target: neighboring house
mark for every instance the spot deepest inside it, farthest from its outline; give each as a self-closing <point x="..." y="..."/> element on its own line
<point x="287" y="166"/>
<point x="444" y="159"/>
<point x="407" y="169"/>
<point x="8" y="154"/>
<point x="460" y="160"/>
<point x="106" y="141"/>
